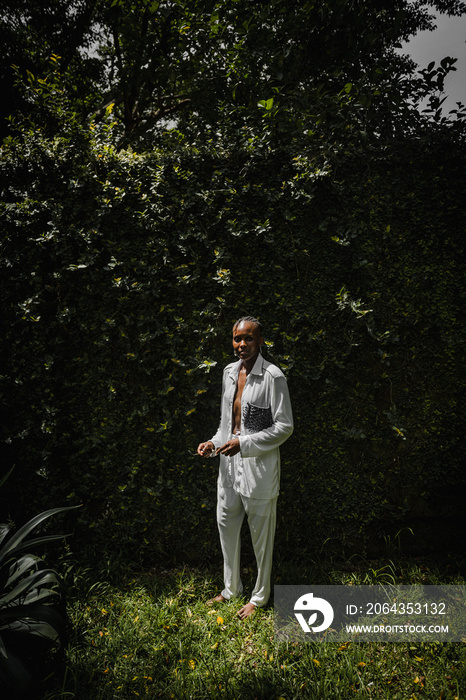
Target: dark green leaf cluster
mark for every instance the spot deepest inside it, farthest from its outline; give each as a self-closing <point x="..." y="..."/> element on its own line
<point x="31" y="622"/>
<point x="123" y="273"/>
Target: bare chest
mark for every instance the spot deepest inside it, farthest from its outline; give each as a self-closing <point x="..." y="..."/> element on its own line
<point x="236" y="418"/>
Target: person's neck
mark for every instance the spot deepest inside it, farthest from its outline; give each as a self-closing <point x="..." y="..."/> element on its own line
<point x="249" y="364"/>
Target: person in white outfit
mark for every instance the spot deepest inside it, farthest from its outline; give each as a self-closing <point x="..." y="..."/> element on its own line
<point x="256" y="418"/>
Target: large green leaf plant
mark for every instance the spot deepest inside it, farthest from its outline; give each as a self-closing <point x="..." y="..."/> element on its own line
<point x="31" y="620"/>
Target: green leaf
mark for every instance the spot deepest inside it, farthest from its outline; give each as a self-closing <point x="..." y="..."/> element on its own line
<point x="4" y="530"/>
<point x="266" y="104"/>
<point x="14" y="544"/>
<point x="44" y="613"/>
<point x="3" y="651"/>
<point x="20" y="567"/>
<point x="40" y="578"/>
<point x="34" y="627"/>
<point x="4" y="478"/>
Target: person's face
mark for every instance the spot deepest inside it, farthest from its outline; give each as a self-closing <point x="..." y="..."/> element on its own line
<point x="246" y="340"/>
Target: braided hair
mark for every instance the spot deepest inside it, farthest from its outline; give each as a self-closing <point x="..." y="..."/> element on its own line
<point x="250" y="319"/>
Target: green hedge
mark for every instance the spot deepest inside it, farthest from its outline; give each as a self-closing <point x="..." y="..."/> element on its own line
<point x="121" y="277"/>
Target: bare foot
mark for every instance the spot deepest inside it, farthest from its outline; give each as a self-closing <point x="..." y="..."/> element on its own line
<point x="218" y="599"/>
<point x="246" y="610"/>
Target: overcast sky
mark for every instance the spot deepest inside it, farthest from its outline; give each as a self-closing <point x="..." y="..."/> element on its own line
<point x="449" y="39"/>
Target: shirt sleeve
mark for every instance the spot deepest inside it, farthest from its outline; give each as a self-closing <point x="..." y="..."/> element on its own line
<point x="217" y="438"/>
<point x="255" y="444"/>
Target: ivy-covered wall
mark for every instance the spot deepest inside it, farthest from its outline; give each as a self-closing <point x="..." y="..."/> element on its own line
<point x="121" y="277"/>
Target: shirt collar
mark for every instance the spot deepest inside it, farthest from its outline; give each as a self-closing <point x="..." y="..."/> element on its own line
<point x="257" y="368"/>
<point x="258" y="365"/>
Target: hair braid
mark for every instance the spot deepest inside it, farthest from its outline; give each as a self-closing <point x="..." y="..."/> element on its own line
<point x="250" y="319"/>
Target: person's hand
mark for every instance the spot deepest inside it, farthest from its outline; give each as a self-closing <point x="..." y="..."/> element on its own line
<point x="230" y="448"/>
<point x="204" y="449"/>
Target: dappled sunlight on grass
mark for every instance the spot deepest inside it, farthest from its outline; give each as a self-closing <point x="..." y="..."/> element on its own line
<point x="155" y="636"/>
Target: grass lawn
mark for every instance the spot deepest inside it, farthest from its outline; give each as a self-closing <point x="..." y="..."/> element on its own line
<point x="151" y="634"/>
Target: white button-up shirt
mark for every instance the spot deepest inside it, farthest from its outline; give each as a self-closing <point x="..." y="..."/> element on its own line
<point x="266" y="422"/>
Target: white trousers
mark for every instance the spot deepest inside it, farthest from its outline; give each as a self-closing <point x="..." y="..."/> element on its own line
<point x="231" y="509"/>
